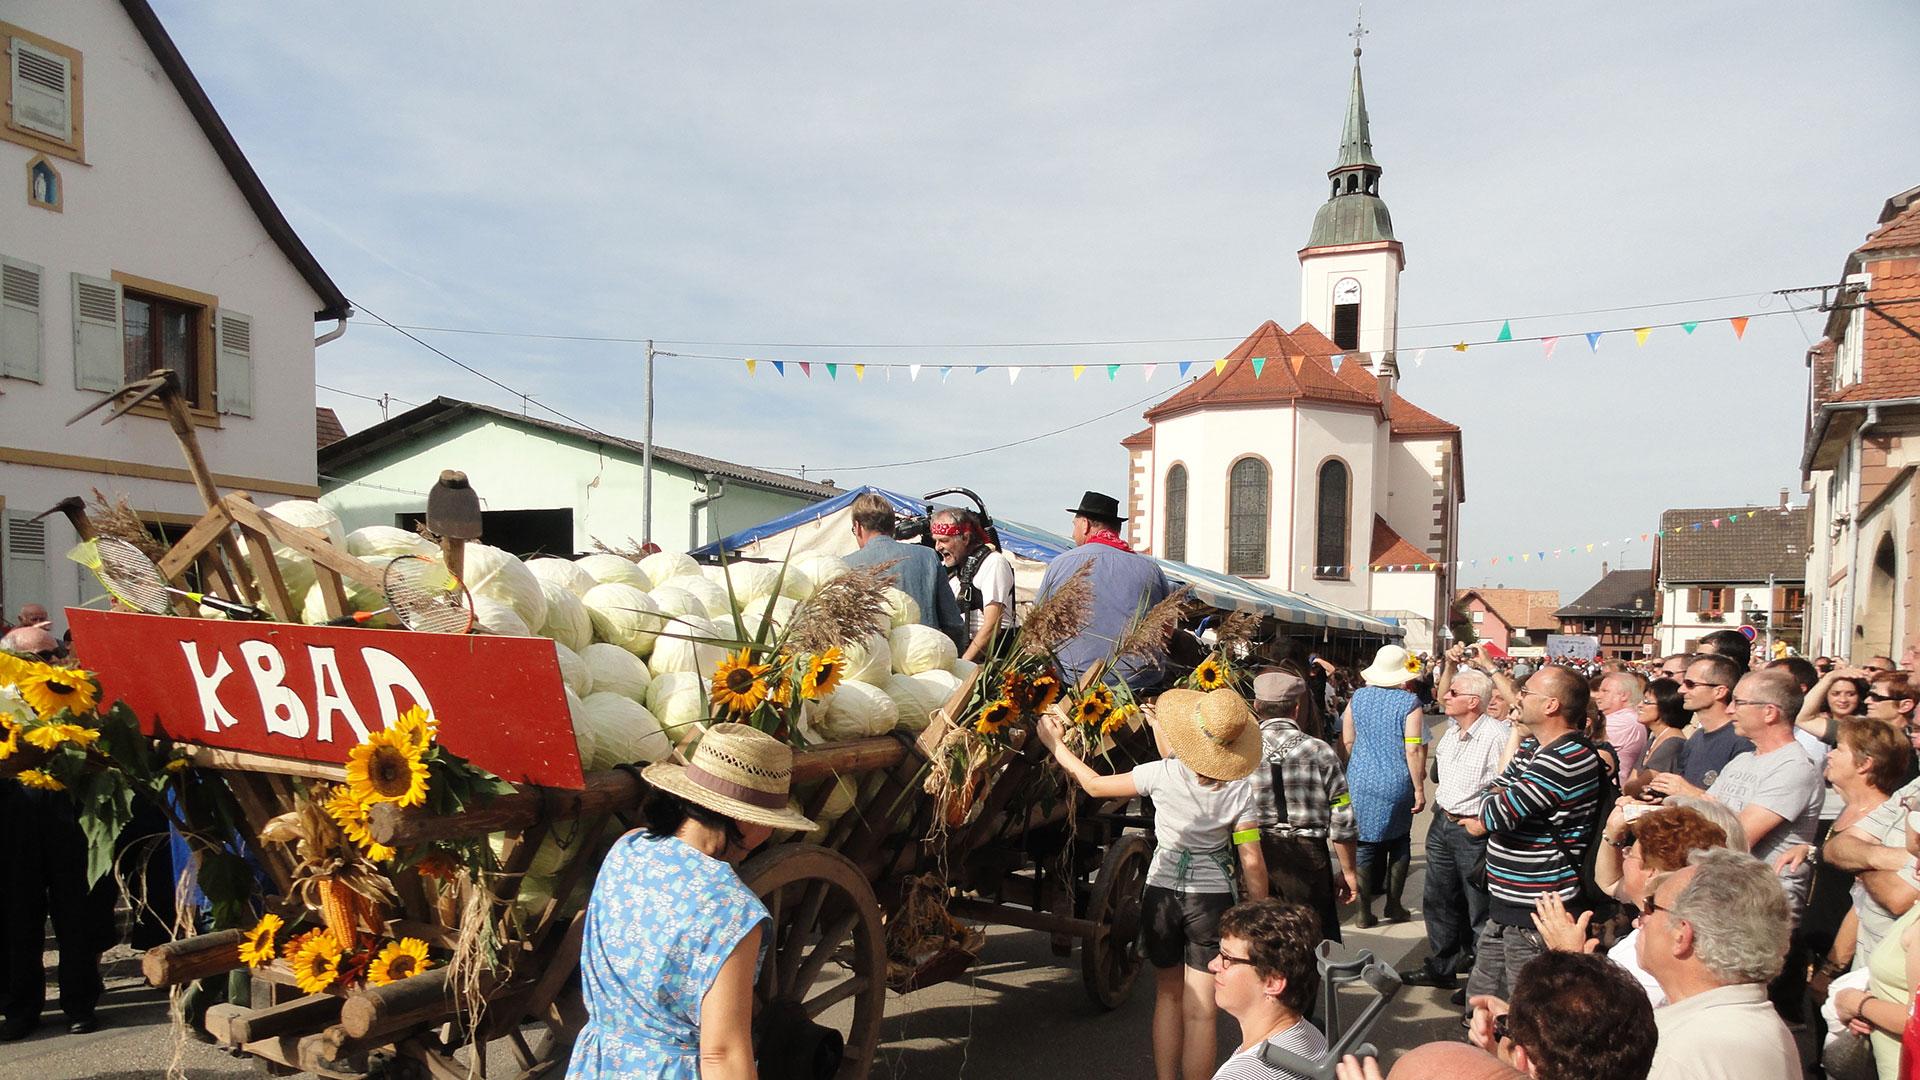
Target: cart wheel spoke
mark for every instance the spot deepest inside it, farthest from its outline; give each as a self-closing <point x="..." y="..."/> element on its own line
<point x="822" y="951"/>
<point x="835" y="994"/>
<point x="1110" y="961"/>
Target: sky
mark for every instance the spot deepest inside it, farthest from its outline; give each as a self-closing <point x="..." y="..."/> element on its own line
<point x="960" y="180"/>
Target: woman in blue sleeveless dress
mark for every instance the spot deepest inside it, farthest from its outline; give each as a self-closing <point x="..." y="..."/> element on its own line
<point x="673" y="936"/>
<point x="1386" y="747"/>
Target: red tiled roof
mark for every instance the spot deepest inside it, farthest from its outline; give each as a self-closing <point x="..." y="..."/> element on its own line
<point x="327" y="429"/>
<point x="1889" y="351"/>
<point x="1139" y="440"/>
<point x="1522" y="609"/>
<point x="1411" y="419"/>
<point x="1899" y="230"/>
<point x="1391" y="549"/>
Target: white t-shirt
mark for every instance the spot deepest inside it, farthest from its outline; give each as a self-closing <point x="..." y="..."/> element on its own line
<point x="994" y="579"/>
<point x="1192" y="824"/>
<point x="1302" y="1038"/>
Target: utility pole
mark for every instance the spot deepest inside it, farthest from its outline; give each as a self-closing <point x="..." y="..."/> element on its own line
<point x="1770" y="595"/>
<point x="646" y="458"/>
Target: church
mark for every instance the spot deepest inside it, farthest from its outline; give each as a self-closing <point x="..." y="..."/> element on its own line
<point x="1299" y="465"/>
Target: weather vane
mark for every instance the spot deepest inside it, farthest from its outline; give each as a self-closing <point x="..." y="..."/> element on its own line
<point x="1359" y="27"/>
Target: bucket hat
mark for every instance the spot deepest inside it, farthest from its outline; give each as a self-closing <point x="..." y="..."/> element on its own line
<point x="1392" y="666"/>
<point x="1213" y="732"/>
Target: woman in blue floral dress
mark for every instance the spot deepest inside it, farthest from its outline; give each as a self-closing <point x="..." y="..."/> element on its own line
<point x="1385" y="739"/>
<point x="673" y="936"/>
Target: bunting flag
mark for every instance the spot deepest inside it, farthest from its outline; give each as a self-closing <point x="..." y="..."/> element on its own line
<point x="1689" y="327"/>
<point x="1079" y="370"/>
<point x="1013" y="375"/>
<point x="780" y="368"/>
<point x="1548" y="344"/>
<point x="980" y="369"/>
<point x="1337" y="357"/>
<point x="1259" y="365"/>
<point x="913" y="372"/>
<point x="751" y="364"/>
<point x="946" y="371"/>
<point x="1419" y="357"/>
<point x="1640" y="335"/>
<point x="833" y="372"/>
<point x="1593" y="341"/>
<point x="1146" y="373"/>
<point x="1506" y="331"/>
<point x="806" y="369"/>
<point x="1739" y="326"/>
<point x="1184" y="365"/>
<point x="1219" y="366"/>
<point x="1113" y="372"/>
<point x="1461" y="347"/>
<point x="859" y="373"/>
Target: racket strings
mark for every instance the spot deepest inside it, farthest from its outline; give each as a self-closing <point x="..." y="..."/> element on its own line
<point x="132" y="577"/>
<point x="426" y="597"/>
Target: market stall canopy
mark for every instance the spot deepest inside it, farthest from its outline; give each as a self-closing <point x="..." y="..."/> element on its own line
<point x="827" y="526"/>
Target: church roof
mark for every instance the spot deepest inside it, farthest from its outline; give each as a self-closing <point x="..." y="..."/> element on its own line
<point x="1356" y="136"/>
<point x="1139" y="440"/>
<point x="1392" y="549"/>
<point x="1297" y="367"/>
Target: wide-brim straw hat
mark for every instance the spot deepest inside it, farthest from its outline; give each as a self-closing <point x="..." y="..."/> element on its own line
<point x="1390" y="667"/>
<point x="1213" y="732"/>
<point x="738" y="771"/>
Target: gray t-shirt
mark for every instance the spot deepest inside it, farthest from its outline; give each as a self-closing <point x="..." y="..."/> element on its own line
<point x="1302" y="1038"/>
<point x="1192" y="826"/>
<point x="1786" y="782"/>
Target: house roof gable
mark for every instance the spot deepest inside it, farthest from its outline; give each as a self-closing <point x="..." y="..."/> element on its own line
<point x="1619" y="594"/>
<point x="1389" y="548"/>
<point x="1772" y="542"/>
<point x="1522" y="609"/>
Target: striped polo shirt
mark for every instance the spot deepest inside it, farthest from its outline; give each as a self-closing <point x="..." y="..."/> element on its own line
<point x="1538" y="813"/>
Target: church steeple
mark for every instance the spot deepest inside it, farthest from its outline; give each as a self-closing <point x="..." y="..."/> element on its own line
<point x="1353" y="212"/>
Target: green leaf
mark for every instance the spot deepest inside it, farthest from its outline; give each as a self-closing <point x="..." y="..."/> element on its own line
<point x="227" y="882"/>
<point x="105" y="804"/>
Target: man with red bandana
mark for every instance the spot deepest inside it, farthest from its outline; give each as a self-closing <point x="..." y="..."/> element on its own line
<point x="982" y="579"/>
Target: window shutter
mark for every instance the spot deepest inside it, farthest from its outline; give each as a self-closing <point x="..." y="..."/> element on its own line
<point x="42" y="91"/>
<point x="1694" y="599"/>
<point x="99" y="342"/>
<point x="20" y="320"/>
<point x="23" y="560"/>
<point x="233" y="362"/>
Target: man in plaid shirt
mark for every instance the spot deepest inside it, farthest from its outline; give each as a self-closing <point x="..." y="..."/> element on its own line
<point x="1300" y="799"/>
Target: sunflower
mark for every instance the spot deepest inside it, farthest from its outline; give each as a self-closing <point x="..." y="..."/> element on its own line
<point x="13" y="669"/>
<point x="50" y="736"/>
<point x="1413" y="664"/>
<point x="1209" y="675"/>
<point x="39" y="778"/>
<point x="350" y="814"/>
<point x="1043" y="690"/>
<point x="1090" y="711"/>
<point x="258" y="949"/>
<point x="1102" y="693"/>
<point x="1118" y="719"/>
<point x="9" y="741"/>
<point x="177" y="764"/>
<point x="739" y="684"/>
<point x="438" y="866"/>
<point x="995" y="717"/>
<point x="387" y="768"/>
<point x="823" y="674"/>
<point x="420" y="726"/>
<point x="50" y="689"/>
<point x="399" y="960"/>
<point x="316" y="965"/>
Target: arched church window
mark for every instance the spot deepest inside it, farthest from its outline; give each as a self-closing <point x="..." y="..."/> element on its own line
<point x="1346" y="313"/>
<point x="1176" y="528"/>
<point x="1330" y="521"/>
<point x="1247" y="486"/>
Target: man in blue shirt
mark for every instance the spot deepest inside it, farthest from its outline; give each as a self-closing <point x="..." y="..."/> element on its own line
<point x="917" y="570"/>
<point x="1125" y="583"/>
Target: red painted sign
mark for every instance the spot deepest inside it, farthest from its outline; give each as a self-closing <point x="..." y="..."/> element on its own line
<point x="314" y="692"/>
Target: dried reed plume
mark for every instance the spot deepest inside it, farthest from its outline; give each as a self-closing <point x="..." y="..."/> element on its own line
<point x="845" y="610"/>
<point x="1238" y="628"/>
<point x="1061" y="616"/>
<point x="1147" y="637"/>
<point x="111" y="516"/>
<point x="632" y="550"/>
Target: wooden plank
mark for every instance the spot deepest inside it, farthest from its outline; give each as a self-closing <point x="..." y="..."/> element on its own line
<point x="266" y="571"/>
<point x="175" y="962"/>
<point x="212" y="757"/>
<point x="205" y="534"/>
<point x="297" y="1017"/>
<point x="962" y="907"/>
<point x="309" y="542"/>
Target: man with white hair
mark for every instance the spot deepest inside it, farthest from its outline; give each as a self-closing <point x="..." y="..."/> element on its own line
<point x="1467" y="757"/>
<point x="1619" y="699"/>
<point x="1715" y="934"/>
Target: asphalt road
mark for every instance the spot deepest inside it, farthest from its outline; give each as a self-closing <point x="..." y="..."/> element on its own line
<point x="1021" y="1011"/>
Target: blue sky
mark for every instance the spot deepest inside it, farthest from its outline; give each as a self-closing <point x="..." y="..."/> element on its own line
<point x="997" y="172"/>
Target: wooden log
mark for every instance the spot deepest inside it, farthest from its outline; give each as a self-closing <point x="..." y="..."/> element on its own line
<point x="192" y="958"/>
<point x="297" y="1017"/>
<point x="425" y="998"/>
<point x="219" y="1019"/>
<point x="961" y="907"/>
<point x="856" y="756"/>
<point x="213" y="757"/>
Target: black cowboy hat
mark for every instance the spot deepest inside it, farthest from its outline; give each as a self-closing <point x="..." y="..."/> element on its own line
<point x="1098" y="507"/>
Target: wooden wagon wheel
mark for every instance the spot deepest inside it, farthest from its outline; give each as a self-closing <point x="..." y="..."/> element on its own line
<point x="1109" y="962"/>
<point x="823" y="909"/>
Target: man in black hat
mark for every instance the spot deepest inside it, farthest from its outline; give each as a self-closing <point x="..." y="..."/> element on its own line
<point x="1125" y="582"/>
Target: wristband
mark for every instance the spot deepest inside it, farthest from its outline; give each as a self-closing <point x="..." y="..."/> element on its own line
<point x="1343" y="799"/>
<point x="1414" y="740"/>
<point x="1246" y="836"/>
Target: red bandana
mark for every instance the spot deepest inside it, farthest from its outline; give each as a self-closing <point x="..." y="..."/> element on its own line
<point x="1112" y="540"/>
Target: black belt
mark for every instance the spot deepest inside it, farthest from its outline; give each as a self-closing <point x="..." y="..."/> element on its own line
<point x="1292" y="833"/>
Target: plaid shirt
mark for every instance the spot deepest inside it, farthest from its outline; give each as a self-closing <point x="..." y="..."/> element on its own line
<point x="1315" y="785"/>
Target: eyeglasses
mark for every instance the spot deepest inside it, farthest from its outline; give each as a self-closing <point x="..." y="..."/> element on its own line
<point x="1229" y="959"/>
<point x="1649" y="905"/>
<point x="1691" y="685"/>
<point x="1501" y="1028"/>
<point x="1875" y="695"/>
<point x="1524" y="691"/>
<point x="1739" y="701"/>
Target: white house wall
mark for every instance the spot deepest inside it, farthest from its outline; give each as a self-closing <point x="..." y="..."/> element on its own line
<point x="1681" y="623"/>
<point x="1333" y="432"/>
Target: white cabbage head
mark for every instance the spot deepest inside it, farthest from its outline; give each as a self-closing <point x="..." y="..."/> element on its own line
<point x="573" y="670"/>
<point x="388" y="542"/>
<point x="562" y="572"/>
<point x="615" y="670"/>
<point x="857" y="711"/>
<point x="623" y="615"/>
<point x="612" y="569"/>
<point x="663" y="566"/>
<point x="919" y="648"/>
<point x="567" y="619"/>
<point x="497" y="575"/>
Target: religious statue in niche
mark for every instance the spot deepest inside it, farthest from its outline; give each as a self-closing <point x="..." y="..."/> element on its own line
<point x="43" y="184"/>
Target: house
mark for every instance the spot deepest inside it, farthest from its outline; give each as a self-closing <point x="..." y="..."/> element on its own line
<point x="1721" y="574"/>
<point x="1862" y="449"/>
<point x="1511" y="618"/>
<point x="547" y="487"/>
<point x="1297" y="463"/>
<point x="1620" y="610"/>
<point x="134" y="235"/>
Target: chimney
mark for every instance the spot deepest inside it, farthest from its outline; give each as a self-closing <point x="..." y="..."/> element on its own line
<point x="1386" y="373"/>
<point x="1603" y="569"/>
<point x="1783" y="498"/>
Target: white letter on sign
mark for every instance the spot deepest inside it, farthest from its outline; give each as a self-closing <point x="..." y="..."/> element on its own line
<point x="330" y="695"/>
<point x="207" y="685"/>
<point x="388" y="672"/>
<point x="286" y="714"/>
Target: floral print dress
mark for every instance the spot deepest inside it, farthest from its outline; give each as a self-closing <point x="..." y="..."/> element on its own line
<point x="662" y="920"/>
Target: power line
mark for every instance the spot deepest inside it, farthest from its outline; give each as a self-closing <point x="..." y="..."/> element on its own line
<point x="382" y="400"/>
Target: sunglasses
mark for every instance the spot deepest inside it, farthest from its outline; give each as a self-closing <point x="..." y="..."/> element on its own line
<point x="1691" y="685"/>
<point x="1875" y="695"/>
<point x="1501" y="1028"/>
<point x="1649" y="905"/>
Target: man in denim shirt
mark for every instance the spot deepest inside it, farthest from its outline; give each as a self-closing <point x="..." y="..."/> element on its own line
<point x="917" y="569"/>
<point x="1125" y="583"/>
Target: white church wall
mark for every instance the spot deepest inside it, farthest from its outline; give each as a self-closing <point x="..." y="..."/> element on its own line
<point x="1208" y="444"/>
<point x="1413" y="469"/>
<point x="1348" y="434"/>
<point x="1400" y="592"/>
<point x="1377" y="268"/>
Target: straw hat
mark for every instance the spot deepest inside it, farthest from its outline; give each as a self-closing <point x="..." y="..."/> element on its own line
<point x="1213" y="733"/>
<point x="738" y="771"/>
<point x="1392" y="666"/>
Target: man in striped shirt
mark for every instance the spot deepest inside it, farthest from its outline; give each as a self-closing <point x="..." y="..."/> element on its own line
<point x="1536" y="817"/>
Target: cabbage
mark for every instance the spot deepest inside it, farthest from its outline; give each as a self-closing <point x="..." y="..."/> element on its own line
<point x="711" y="595"/>
<point x="857" y="711"/>
<point x="963" y="669"/>
<point x="567" y="620"/>
<point x="388" y="542"/>
<point x="615" y="670"/>
<point x="663" y="566"/>
<point x="846" y="790"/>
<point x="296" y="570"/>
<point x="497" y="617"/>
<point x="573" y="670"/>
<point x="902" y="610"/>
<point x="623" y="731"/>
<point x="673" y="653"/>
<point x="582" y="731"/>
<point x="917" y="696"/>
<point x="623" y="615"/>
<point x="678" y="700"/>
<point x="919" y="648"/>
<point x="869" y="661"/>
<point x="494" y="574"/>
<point x="752" y="583"/>
<point x="567" y="575"/>
<point x="674" y="600"/>
<point x="612" y="569"/>
<point x="808" y="571"/>
<point x="783" y="609"/>
<point x="360" y="597"/>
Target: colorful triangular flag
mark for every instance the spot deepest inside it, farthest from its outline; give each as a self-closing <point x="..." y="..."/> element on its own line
<point x="1506" y="331"/>
<point x="1013" y="375"/>
<point x="946" y="371"/>
<point x="1689" y="327"/>
<point x="1146" y="373"/>
<point x="1079" y="370"/>
<point x="1419" y="357"/>
<point x="1640" y="335"/>
<point x="1548" y="343"/>
<point x="1184" y="365"/>
<point x="1593" y="341"/>
<point x="806" y="369"/>
<point x="1739" y="326"/>
<point x="780" y="368"/>
<point x="1259" y="365"/>
<point x="751" y="364"/>
<point x="1113" y="372"/>
<point x="1460" y="347"/>
<point x="980" y="369"/>
<point x="859" y="373"/>
<point x="1335" y="359"/>
<point x="1219" y="366"/>
<point x="913" y="372"/>
<point x="833" y="372"/>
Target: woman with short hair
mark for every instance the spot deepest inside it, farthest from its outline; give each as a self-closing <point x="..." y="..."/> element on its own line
<point x="1264" y="977"/>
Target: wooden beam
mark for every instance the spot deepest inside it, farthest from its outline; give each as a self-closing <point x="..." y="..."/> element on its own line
<point x="176" y="962"/>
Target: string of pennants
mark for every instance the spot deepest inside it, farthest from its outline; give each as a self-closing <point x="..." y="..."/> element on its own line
<point x="1548" y="343"/>
<point x="1543" y="555"/>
